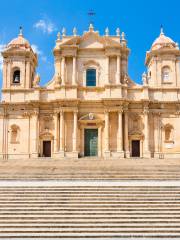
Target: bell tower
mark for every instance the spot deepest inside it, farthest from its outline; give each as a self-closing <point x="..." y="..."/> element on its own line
<point x="19" y="64"/>
<point x="163" y="61"/>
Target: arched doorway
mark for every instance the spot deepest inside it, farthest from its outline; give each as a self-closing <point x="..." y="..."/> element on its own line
<point x="136" y="145"/>
<point x="46" y="144"/>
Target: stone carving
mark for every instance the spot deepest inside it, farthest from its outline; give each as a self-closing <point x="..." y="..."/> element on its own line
<point x="36" y="81"/>
<point x="144" y="79"/>
<point x="91" y="116"/>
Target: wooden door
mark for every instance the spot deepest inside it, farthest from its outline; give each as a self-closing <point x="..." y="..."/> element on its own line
<point x="47" y="148"/>
<point x="91" y="142"/>
<point x="135" y="148"/>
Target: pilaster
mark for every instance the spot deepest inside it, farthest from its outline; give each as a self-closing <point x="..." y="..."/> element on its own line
<point x="120" y="151"/>
<point x="118" y="74"/>
<point x="107" y="69"/>
<point x="74" y="71"/>
<point x="75" y="130"/>
<point x="34" y="133"/>
<point x="126" y="133"/>
<point x="61" y="137"/>
<point x="56" y="131"/>
<point x="146" y="152"/>
<point x="63" y="70"/>
<point x="106" y="129"/>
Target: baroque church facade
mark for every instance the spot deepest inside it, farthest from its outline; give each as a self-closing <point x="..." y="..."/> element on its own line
<point x="91" y="107"/>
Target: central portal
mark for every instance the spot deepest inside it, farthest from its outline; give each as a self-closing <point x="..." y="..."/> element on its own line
<point x="90" y="142"/>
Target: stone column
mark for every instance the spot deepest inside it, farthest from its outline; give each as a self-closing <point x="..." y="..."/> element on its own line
<point x="126" y="135"/>
<point x="146" y="152"/>
<point x="74" y="71"/>
<point x="156" y="135"/>
<point x="5" y="64"/>
<point x="56" y="130"/>
<point x="120" y="135"/>
<point x="5" y="135"/>
<point x="63" y="70"/>
<point x="107" y="69"/>
<point x="106" y="130"/>
<point x="34" y="133"/>
<point x="61" y="137"/>
<point x="75" y="139"/>
<point x="118" y="80"/>
<point x="100" y="141"/>
<point x="9" y="75"/>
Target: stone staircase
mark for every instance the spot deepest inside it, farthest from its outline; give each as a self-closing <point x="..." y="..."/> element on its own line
<point x="90" y="169"/>
<point x="89" y="211"/>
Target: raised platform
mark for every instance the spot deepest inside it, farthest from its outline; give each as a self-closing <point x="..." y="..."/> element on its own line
<point x="91" y="168"/>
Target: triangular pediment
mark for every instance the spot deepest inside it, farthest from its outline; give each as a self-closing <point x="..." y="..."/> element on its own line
<point x="91" y="40"/>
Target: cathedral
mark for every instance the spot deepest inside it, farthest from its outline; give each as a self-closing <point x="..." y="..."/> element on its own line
<point x="91" y="107"/>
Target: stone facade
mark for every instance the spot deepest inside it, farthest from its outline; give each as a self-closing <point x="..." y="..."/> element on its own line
<point x="124" y="119"/>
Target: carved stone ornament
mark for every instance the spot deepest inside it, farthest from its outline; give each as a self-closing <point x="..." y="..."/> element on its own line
<point x="36" y="81"/>
<point x="91" y="116"/>
<point x="125" y="79"/>
<point x="144" y="79"/>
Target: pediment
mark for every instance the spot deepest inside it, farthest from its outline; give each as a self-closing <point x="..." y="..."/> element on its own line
<point x="91" y="40"/>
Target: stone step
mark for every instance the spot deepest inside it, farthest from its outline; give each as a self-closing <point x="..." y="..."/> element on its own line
<point x="93" y="199"/>
<point x="95" y="235"/>
<point x="85" y="212"/>
<point x="90" y="216"/>
<point x="89" y="224"/>
<point x="88" y="186"/>
<point x="85" y="225"/>
<point x="91" y="229"/>
<point x="91" y="221"/>
<point x="90" y="212"/>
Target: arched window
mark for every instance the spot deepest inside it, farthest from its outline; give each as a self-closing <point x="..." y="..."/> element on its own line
<point x="166" y="74"/>
<point x="91" y="77"/>
<point x="168" y="133"/>
<point x="15" y="134"/>
<point x="16" y="76"/>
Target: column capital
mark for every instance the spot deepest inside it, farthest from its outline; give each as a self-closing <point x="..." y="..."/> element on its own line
<point x="75" y="111"/>
<point x="106" y="111"/>
<point x="120" y="110"/>
<point x="61" y="111"/>
<point x="26" y="114"/>
<point x="56" y="111"/>
<point x="35" y="113"/>
<point x="146" y="110"/>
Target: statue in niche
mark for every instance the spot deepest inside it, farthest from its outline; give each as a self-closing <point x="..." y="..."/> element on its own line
<point x="168" y="131"/>
<point x="144" y="78"/>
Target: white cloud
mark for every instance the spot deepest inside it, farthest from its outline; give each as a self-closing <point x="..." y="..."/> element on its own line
<point x="45" y="25"/>
<point x="2" y="46"/>
<point x="36" y="49"/>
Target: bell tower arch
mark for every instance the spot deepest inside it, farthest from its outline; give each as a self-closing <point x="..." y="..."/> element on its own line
<point x="19" y="64"/>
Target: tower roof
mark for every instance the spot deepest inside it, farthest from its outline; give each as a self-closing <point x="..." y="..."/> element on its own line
<point x="20" y="41"/>
<point x="163" y="41"/>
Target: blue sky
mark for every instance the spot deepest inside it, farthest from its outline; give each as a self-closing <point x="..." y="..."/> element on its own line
<point x="42" y="19"/>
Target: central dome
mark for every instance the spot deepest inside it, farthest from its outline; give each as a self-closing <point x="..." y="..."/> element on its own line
<point x="163" y="41"/>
